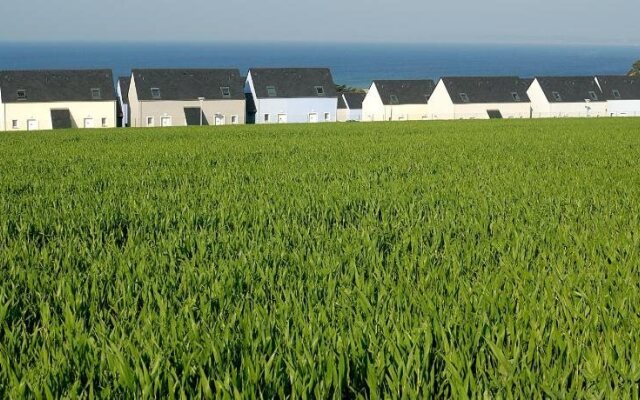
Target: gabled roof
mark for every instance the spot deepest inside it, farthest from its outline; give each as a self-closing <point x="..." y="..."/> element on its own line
<point x="56" y="86"/>
<point x="626" y="86"/>
<point x="188" y="84"/>
<point x="124" y="82"/>
<point x="405" y="91"/>
<point x="351" y="100"/>
<point x="487" y="89"/>
<point x="571" y="89"/>
<point x="288" y="83"/>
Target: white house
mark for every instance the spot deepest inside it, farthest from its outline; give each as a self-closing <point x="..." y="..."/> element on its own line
<point x="480" y="98"/>
<point x="566" y="96"/>
<point x="122" y="91"/>
<point x="35" y="100"/>
<point x="181" y="97"/>
<point x="290" y="95"/>
<point x="622" y="94"/>
<point x="397" y="100"/>
<point x="350" y="106"/>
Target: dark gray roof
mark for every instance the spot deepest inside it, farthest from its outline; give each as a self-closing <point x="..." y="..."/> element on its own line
<point x="417" y="91"/>
<point x="188" y="84"/>
<point x="124" y="82"/>
<point x="352" y="101"/>
<point x="487" y="89"/>
<point x="56" y="85"/>
<point x="628" y="87"/>
<point x="293" y="82"/>
<point x="572" y="89"/>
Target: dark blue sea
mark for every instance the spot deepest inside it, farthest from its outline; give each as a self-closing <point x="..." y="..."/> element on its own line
<point x="352" y="64"/>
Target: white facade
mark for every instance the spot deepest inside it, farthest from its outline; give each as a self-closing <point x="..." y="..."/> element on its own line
<point x="373" y="109"/>
<point x="37" y="116"/>
<point x="543" y="108"/>
<point x="292" y="110"/>
<point x="623" y="108"/>
<point x="442" y="107"/>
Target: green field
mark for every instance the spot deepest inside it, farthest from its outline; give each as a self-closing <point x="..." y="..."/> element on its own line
<point x="440" y="259"/>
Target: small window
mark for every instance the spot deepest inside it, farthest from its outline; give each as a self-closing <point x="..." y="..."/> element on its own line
<point x="616" y="94"/>
<point x="515" y="96"/>
<point x="320" y="90"/>
<point x="14" y="124"/>
<point x="22" y="94"/>
<point x="96" y="94"/>
<point x="226" y="92"/>
<point x="271" y="91"/>
<point x="393" y="99"/>
<point x="155" y="93"/>
<point x="556" y="96"/>
<point x="150" y="121"/>
<point x="464" y="97"/>
<point x="234" y="119"/>
<point x="593" y="95"/>
<point x="104" y="122"/>
<point x="327" y="117"/>
<point x="266" y="118"/>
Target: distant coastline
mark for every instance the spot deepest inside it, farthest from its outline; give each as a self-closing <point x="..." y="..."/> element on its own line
<point x="352" y="64"/>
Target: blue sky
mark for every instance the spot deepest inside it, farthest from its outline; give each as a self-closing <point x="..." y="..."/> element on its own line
<point x="410" y="21"/>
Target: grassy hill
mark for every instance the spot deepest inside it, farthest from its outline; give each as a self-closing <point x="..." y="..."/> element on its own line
<point x="440" y="259"/>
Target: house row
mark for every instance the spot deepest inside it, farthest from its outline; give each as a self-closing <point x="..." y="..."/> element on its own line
<point x="32" y="100"/>
<point x="502" y="97"/>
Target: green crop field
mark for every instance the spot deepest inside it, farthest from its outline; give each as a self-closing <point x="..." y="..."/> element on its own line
<point x="480" y="259"/>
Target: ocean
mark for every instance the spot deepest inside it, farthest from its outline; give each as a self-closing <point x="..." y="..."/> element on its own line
<point x="352" y="64"/>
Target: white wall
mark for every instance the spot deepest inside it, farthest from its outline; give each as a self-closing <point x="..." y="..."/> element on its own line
<point x="2" y="111"/>
<point x="296" y="110"/>
<point x="623" y="108"/>
<point x="372" y="106"/>
<point x="175" y="110"/>
<point x="346" y="114"/>
<point x="125" y="107"/>
<point x="41" y="112"/>
<point x="542" y="108"/>
<point x="440" y="104"/>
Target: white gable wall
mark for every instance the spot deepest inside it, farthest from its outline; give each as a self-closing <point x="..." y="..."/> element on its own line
<point x="134" y="105"/>
<point x="440" y="104"/>
<point x="124" y="107"/>
<point x="372" y="107"/>
<point x="3" y="111"/>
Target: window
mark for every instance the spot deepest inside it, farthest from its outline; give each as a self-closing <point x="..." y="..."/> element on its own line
<point x="14" y="124"/>
<point x="155" y="93"/>
<point x="266" y="118"/>
<point x="104" y="122"/>
<point x="616" y="94"/>
<point x="271" y="91"/>
<point x="593" y="95"/>
<point x="464" y="97"/>
<point x="22" y="94"/>
<point x="327" y="117"/>
<point x="150" y="121"/>
<point x="320" y="90"/>
<point x="96" y="94"/>
<point x="234" y="119"/>
<point x="515" y="96"/>
<point x="556" y="96"/>
<point x="226" y="92"/>
<point x="393" y="99"/>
